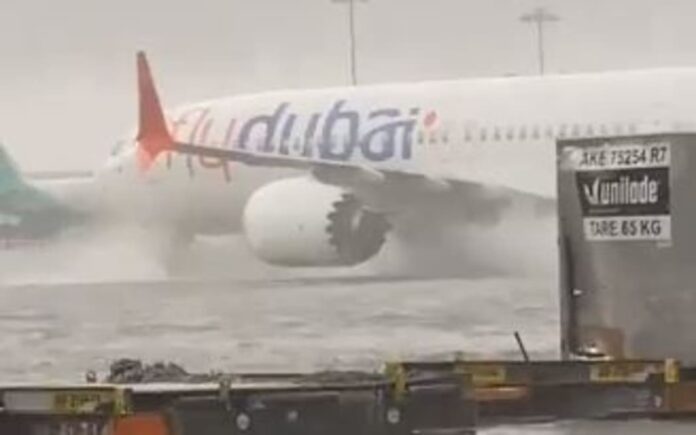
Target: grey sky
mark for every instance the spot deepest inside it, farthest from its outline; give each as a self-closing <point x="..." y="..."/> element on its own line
<point x="67" y="74"/>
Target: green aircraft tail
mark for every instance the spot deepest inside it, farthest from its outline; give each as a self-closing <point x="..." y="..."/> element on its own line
<point x="10" y="178"/>
<point x="24" y="205"/>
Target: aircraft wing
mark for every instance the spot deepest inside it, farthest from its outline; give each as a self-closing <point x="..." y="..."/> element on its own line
<point x="386" y="188"/>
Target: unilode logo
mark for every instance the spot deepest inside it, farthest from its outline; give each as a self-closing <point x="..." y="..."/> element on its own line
<point x="623" y="191"/>
<point x="644" y="191"/>
<point x="337" y="134"/>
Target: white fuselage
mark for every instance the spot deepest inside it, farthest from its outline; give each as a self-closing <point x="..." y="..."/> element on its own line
<point x="498" y="132"/>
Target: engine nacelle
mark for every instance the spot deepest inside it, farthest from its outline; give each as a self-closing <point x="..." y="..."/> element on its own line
<point x="302" y="222"/>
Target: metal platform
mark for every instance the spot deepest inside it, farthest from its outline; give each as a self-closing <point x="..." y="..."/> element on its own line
<point x="338" y="403"/>
<point x="452" y="397"/>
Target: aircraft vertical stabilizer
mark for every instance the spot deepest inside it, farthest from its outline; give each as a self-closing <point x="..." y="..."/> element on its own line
<point x="10" y="177"/>
<point x="153" y="135"/>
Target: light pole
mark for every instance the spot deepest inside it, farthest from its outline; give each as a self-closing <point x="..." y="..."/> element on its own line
<point x="539" y="17"/>
<point x="351" y="34"/>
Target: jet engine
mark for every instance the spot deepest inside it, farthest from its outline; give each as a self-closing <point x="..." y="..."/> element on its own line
<point x="302" y="222"/>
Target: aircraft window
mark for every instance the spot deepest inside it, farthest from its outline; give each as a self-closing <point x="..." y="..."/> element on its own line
<point x="510" y="133"/>
<point x="483" y="135"/>
<point x="496" y="133"/>
<point x="445" y="137"/>
<point x="590" y="130"/>
<point x="421" y="138"/>
<point x="604" y="130"/>
<point x="618" y="129"/>
<point x="523" y="133"/>
<point x="632" y="129"/>
<point x="575" y="132"/>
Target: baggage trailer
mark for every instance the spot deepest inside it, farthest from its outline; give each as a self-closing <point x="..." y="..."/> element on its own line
<point x="524" y="391"/>
<point x="307" y="405"/>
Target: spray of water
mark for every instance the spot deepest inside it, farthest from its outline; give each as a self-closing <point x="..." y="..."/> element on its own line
<point x="109" y="254"/>
<point x="521" y="243"/>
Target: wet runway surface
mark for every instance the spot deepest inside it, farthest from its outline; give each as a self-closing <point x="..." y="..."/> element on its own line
<point x="58" y="332"/>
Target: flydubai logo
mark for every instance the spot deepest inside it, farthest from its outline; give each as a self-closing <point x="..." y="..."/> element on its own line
<point x="339" y="133"/>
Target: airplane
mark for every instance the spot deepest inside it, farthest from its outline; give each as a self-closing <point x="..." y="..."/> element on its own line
<point x="456" y="152"/>
<point x="327" y="177"/>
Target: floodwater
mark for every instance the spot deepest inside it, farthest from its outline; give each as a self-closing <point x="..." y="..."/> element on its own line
<point x="59" y="331"/>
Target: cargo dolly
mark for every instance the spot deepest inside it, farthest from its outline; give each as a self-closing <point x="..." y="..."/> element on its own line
<point x="337" y="403"/>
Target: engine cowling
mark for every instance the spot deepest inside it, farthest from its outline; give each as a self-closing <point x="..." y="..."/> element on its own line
<point x="301" y="222"/>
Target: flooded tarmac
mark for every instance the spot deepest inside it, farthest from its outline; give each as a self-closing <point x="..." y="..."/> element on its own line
<point x="261" y="321"/>
<point x="58" y="332"/>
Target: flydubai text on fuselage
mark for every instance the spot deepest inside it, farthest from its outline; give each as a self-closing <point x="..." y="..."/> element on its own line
<point x="338" y="134"/>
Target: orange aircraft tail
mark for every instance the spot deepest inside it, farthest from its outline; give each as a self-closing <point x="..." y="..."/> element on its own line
<point x="153" y="135"/>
